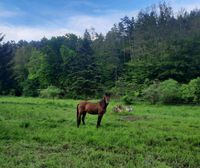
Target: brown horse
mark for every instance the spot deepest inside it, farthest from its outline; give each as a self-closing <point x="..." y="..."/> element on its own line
<point x="98" y="108"/>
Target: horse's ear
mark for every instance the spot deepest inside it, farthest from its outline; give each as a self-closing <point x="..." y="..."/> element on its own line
<point x="108" y="94"/>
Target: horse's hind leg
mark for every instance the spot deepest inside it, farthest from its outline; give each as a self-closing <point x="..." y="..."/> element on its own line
<point x="99" y="120"/>
<point x="78" y="116"/>
<point x="83" y="118"/>
<point x="78" y="119"/>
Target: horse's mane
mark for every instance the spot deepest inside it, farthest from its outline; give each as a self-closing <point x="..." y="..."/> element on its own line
<point x="103" y="103"/>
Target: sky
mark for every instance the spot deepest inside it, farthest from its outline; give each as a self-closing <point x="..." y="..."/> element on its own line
<point x="35" y="19"/>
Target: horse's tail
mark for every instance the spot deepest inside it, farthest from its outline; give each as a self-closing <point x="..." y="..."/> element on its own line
<point x="77" y="114"/>
<point x="77" y="110"/>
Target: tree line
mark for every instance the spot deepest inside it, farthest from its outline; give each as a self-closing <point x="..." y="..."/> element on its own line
<point x="156" y="45"/>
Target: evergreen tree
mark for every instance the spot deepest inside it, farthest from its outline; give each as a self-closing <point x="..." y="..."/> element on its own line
<point x="7" y="82"/>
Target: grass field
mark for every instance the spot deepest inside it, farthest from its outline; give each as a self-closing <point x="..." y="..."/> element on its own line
<point x="42" y="133"/>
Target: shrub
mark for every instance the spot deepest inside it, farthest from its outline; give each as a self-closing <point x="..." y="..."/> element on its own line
<point x="191" y="91"/>
<point x="195" y="87"/>
<point x="50" y="92"/>
<point x="152" y="93"/>
<point x="186" y="93"/>
<point x="128" y="100"/>
<point x="170" y="92"/>
<point x="30" y="88"/>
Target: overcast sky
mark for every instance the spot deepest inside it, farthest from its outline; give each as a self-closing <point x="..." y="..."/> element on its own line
<point x="34" y="19"/>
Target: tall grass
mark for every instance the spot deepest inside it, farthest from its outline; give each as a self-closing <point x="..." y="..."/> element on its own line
<point x="37" y="132"/>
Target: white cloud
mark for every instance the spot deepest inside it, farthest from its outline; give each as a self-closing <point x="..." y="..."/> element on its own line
<point x="4" y="13"/>
<point x="100" y="23"/>
<point x="17" y="33"/>
<point x="75" y="24"/>
<point x="188" y="5"/>
<point x="8" y="14"/>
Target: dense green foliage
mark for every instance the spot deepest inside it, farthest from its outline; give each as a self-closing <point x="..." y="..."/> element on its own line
<point x="50" y="92"/>
<point x="191" y="92"/>
<point x="155" y="45"/>
<point x="41" y="133"/>
<point x="152" y="93"/>
<point x="6" y="73"/>
<point x="128" y="100"/>
<point x="171" y="92"/>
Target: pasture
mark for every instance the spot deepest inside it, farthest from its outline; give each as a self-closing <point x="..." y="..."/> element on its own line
<point x="42" y="133"/>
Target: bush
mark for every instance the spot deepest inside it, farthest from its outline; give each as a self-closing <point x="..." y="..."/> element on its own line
<point x="152" y="93"/>
<point x="128" y="100"/>
<point x="170" y="92"/>
<point x="30" y="88"/>
<point x="50" y="92"/>
<point x="186" y="93"/>
<point x="195" y="87"/>
<point x="191" y="91"/>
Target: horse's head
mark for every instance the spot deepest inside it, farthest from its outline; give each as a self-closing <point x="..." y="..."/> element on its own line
<point x="107" y="98"/>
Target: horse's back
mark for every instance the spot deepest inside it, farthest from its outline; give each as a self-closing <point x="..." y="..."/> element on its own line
<point x="81" y="106"/>
<point x="89" y="107"/>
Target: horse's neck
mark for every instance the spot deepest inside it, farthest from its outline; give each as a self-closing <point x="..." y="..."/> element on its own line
<point x="103" y="104"/>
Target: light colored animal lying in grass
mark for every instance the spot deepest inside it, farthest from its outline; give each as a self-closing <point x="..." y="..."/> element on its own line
<point x="121" y="108"/>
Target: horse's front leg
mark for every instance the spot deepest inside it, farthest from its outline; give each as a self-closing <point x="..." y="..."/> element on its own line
<point x="83" y="118"/>
<point x="99" y="120"/>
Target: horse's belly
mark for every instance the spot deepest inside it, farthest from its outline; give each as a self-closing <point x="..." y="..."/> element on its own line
<point x="93" y="112"/>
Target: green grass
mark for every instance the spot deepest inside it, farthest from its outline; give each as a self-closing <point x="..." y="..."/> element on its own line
<point x="42" y="133"/>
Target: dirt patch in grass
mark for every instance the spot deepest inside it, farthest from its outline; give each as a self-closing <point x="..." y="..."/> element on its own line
<point x="65" y="146"/>
<point x="133" y="118"/>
